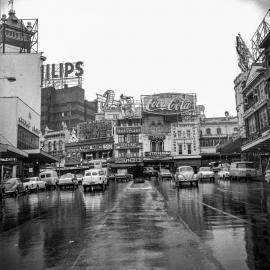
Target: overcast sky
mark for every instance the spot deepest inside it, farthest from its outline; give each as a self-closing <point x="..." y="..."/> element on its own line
<point x="149" y="46"/>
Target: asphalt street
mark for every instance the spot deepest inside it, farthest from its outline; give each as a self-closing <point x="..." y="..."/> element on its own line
<point x="221" y="225"/>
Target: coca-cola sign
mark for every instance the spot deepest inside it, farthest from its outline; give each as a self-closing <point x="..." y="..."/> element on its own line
<point x="169" y="103"/>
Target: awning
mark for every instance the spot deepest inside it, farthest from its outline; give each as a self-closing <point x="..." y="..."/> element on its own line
<point x="8" y="151"/>
<point x="124" y="165"/>
<point x="230" y="147"/>
<point x="37" y="155"/>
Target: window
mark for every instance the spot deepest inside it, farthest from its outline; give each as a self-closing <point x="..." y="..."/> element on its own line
<point x="26" y="139"/>
<point x="208" y="131"/>
<point x="180" y="149"/>
<point x="179" y="133"/>
<point x="157" y="146"/>
<point x="251" y="124"/>
<point x="54" y="146"/>
<point x="188" y="133"/>
<point x="189" y="148"/>
<point x="122" y="153"/>
<point x="218" y="131"/>
<point x="263" y="118"/>
<point x="122" y="138"/>
<point x="134" y="138"/>
<point x="134" y="152"/>
<point x="60" y="145"/>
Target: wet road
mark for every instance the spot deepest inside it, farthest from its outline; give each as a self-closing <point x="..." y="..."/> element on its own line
<point x="224" y="225"/>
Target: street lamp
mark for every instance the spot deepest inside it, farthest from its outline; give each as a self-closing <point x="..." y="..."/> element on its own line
<point x="10" y="79"/>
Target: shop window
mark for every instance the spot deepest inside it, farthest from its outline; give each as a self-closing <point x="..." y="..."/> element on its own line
<point x="122" y="138"/>
<point x="122" y="153"/>
<point x="134" y="152"/>
<point x="26" y="139"/>
<point x="218" y="131"/>
<point x="263" y="118"/>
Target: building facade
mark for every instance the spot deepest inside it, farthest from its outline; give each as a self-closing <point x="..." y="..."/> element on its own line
<point x="65" y="106"/>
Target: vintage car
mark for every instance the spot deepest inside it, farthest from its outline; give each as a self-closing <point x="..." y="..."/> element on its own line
<point x="79" y="178"/>
<point x="224" y="173"/>
<point x="165" y="174"/>
<point x="206" y="173"/>
<point x="185" y="174"/>
<point x="242" y="170"/>
<point x="122" y="175"/>
<point x="50" y="177"/>
<point x="33" y="184"/>
<point x="148" y="172"/>
<point x="94" y="178"/>
<point x="267" y="176"/>
<point x="67" y="180"/>
<point x="13" y="186"/>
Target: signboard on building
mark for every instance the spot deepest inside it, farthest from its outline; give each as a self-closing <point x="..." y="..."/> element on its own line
<point x="128" y="130"/>
<point x="95" y="147"/>
<point x="94" y="130"/>
<point x="57" y="75"/>
<point x="166" y="104"/>
<point x="129" y="160"/>
<point x="155" y="154"/>
<point x="127" y="145"/>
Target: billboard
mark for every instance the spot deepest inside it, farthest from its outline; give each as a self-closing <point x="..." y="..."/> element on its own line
<point x="94" y="130"/>
<point x="128" y="130"/>
<point x="57" y="75"/>
<point x="169" y="103"/>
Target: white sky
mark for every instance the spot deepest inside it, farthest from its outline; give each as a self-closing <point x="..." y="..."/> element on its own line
<point x="149" y="46"/>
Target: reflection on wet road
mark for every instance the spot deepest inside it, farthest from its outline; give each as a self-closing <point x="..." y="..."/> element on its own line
<point x="230" y="218"/>
<point x="222" y="225"/>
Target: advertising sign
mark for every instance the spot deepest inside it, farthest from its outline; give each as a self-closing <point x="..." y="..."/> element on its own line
<point x="94" y="130"/>
<point x="95" y="147"/>
<point x="127" y="145"/>
<point x="128" y="130"/>
<point x="167" y="103"/>
<point x="155" y="154"/>
<point x="129" y="160"/>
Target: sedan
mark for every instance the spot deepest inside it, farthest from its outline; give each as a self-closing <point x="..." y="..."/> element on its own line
<point x="33" y="183"/>
<point x="206" y="173"/>
<point x="224" y="173"/>
<point x="67" y="180"/>
<point x="185" y="174"/>
<point x="13" y="186"/>
<point x="164" y="173"/>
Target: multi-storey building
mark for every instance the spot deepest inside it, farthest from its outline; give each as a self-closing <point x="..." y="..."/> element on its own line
<point x="216" y="131"/>
<point x="66" y="105"/>
<point x="20" y="95"/>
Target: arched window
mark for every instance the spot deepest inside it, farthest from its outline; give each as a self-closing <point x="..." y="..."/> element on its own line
<point x="235" y="129"/>
<point x="219" y="131"/>
<point x="208" y="131"/>
<point x="60" y="145"/>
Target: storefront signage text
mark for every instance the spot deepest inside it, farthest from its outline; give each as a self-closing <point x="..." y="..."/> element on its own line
<point x="127" y="145"/>
<point x="27" y="124"/>
<point x="154" y="154"/>
<point x="157" y="137"/>
<point x="129" y="160"/>
<point x="128" y="130"/>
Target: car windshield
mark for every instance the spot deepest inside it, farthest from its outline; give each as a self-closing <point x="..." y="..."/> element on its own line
<point x="205" y="169"/>
<point x="88" y="174"/>
<point x="42" y="176"/>
<point x="94" y="173"/>
<point x="245" y="165"/>
<point x="186" y="169"/>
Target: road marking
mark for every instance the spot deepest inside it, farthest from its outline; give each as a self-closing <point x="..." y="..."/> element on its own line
<point x="226" y="213"/>
<point x="79" y="256"/>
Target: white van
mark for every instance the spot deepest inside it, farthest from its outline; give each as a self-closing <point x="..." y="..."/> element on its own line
<point x="242" y="169"/>
<point x="50" y="177"/>
<point x="93" y="178"/>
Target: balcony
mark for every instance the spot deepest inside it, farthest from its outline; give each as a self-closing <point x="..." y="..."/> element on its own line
<point x="254" y="106"/>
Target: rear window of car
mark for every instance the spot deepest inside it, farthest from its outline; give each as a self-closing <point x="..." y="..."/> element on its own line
<point x="185" y="169"/>
<point x="94" y="173"/>
<point x="245" y="165"/>
<point x="101" y="173"/>
<point x="88" y="174"/>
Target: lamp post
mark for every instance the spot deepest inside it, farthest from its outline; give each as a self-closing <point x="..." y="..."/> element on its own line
<point x="8" y="78"/>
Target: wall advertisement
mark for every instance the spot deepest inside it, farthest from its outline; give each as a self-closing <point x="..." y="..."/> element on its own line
<point x="128" y="130"/>
<point x="166" y="104"/>
<point x="127" y="145"/>
<point x="129" y="160"/>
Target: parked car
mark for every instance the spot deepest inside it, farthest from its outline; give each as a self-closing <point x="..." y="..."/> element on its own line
<point x="50" y="177"/>
<point x="79" y="178"/>
<point x="122" y="174"/>
<point x="13" y="186"/>
<point x="206" y="173"/>
<point x="185" y="174"/>
<point x="67" y="180"/>
<point x="165" y="174"/>
<point x="224" y="173"/>
<point x="267" y="176"/>
<point x="149" y="172"/>
<point x="33" y="183"/>
<point x="242" y="170"/>
<point x="94" y="178"/>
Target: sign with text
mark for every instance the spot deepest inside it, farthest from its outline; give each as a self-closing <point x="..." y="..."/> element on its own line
<point x="167" y="103"/>
<point x="127" y="145"/>
<point x="128" y="130"/>
<point x="157" y="154"/>
<point x="129" y="160"/>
